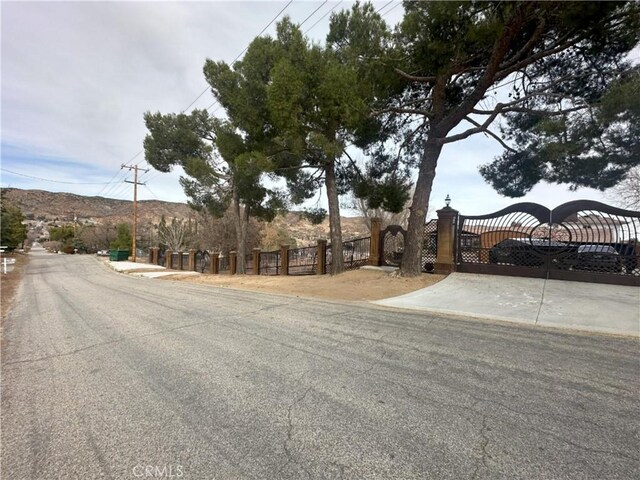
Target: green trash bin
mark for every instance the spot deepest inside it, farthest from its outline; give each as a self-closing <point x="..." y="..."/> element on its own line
<point x="117" y="255"/>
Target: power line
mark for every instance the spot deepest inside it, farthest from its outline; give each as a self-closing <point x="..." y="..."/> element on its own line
<point x="53" y="181"/>
<point x="150" y="191"/>
<point x="391" y="9"/>
<point x="244" y="50"/>
<point x="313" y="13"/>
<point x="384" y="6"/>
<point x="318" y="21"/>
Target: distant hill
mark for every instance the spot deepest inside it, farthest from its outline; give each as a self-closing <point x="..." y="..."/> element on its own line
<point x="62" y="207"/>
<point x="50" y="206"/>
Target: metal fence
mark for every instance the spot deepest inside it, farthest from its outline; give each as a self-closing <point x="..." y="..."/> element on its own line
<point x="356" y="252"/>
<point x="248" y="263"/>
<point x="303" y="261"/>
<point x="223" y="264"/>
<point x="270" y="263"/>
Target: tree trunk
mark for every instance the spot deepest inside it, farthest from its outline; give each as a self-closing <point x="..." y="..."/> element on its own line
<point x="411" y="265"/>
<point x="239" y="214"/>
<point x="335" y="230"/>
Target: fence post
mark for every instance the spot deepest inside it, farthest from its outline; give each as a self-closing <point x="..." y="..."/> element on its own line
<point x="192" y="260"/>
<point x="284" y="259"/>
<point x="445" y="260"/>
<point x="322" y="257"/>
<point x="233" y="262"/>
<point x="168" y="258"/>
<point x="214" y="267"/>
<point x="374" y="244"/>
<point x="256" y="261"/>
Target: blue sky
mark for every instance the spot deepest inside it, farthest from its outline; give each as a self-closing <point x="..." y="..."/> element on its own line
<point x="78" y="76"/>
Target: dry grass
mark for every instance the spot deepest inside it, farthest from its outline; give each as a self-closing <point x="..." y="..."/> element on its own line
<point x="355" y="285"/>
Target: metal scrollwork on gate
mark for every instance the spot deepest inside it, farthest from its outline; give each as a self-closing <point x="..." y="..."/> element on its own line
<point x="392" y="242"/>
<point x="582" y="240"/>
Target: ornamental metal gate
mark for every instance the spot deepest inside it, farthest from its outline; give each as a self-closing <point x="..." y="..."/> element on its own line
<point x="392" y="245"/>
<point x="582" y="240"/>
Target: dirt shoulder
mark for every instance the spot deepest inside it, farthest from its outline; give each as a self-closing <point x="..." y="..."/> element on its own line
<point x="11" y="280"/>
<point x="354" y="285"/>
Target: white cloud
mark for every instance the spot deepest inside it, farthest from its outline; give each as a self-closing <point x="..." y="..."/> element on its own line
<point x="77" y="78"/>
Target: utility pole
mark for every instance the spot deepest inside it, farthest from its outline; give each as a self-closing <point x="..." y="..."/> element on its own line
<point x="135" y="182"/>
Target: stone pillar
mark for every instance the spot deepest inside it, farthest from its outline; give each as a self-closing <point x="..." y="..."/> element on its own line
<point x="233" y="262"/>
<point x="284" y="259"/>
<point x="374" y="247"/>
<point x="322" y="257"/>
<point x="445" y="257"/>
<point x="180" y="260"/>
<point x="151" y="255"/>
<point x="256" y="261"/>
<point x="214" y="268"/>
<point x="192" y="260"/>
<point x="168" y="257"/>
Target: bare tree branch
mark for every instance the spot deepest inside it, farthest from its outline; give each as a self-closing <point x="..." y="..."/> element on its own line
<point x="415" y="78"/>
<point x="490" y="133"/>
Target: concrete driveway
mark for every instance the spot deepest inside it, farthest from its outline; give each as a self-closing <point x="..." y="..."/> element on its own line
<point x="592" y="307"/>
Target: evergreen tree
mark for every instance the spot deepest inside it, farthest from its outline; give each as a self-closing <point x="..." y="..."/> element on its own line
<point x="563" y="64"/>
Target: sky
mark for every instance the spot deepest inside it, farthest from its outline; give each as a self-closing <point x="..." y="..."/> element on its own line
<point x="77" y="77"/>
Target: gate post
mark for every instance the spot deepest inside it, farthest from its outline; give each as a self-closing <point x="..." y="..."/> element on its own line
<point x="284" y="259"/>
<point x="445" y="257"/>
<point x="233" y="262"/>
<point x="168" y="258"/>
<point x="180" y="260"/>
<point x="192" y="260"/>
<point x="214" y="266"/>
<point x="374" y="243"/>
<point x="152" y="253"/>
<point x="256" y="261"/>
<point x="321" y="255"/>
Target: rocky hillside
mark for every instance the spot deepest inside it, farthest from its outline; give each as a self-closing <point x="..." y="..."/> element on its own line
<point x="49" y="206"/>
<point x="56" y="208"/>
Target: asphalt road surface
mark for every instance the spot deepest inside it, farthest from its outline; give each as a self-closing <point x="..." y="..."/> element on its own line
<point x="110" y="376"/>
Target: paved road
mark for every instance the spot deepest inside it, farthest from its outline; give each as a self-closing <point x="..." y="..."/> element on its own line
<point x="109" y="376"/>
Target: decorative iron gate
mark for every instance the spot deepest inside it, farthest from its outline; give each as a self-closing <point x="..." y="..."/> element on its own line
<point x="203" y="261"/>
<point x="392" y="245"/>
<point x="582" y="240"/>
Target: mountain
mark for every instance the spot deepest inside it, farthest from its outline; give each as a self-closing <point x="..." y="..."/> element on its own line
<point x="51" y="206"/>
<point x="56" y="208"/>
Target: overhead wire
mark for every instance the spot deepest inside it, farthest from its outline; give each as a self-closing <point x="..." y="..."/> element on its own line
<point x="207" y="88"/>
<point x="320" y="19"/>
<point x="113" y="190"/>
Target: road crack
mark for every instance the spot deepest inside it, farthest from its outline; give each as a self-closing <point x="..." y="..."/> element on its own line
<point x="289" y="438"/>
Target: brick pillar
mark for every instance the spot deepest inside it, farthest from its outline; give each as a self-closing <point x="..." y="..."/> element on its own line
<point x="233" y="262"/>
<point x="284" y="260"/>
<point x="192" y="260"/>
<point x="374" y="245"/>
<point x="445" y="260"/>
<point x="215" y="265"/>
<point x="322" y="257"/>
<point x="256" y="261"/>
<point x="180" y="260"/>
<point x="168" y="256"/>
